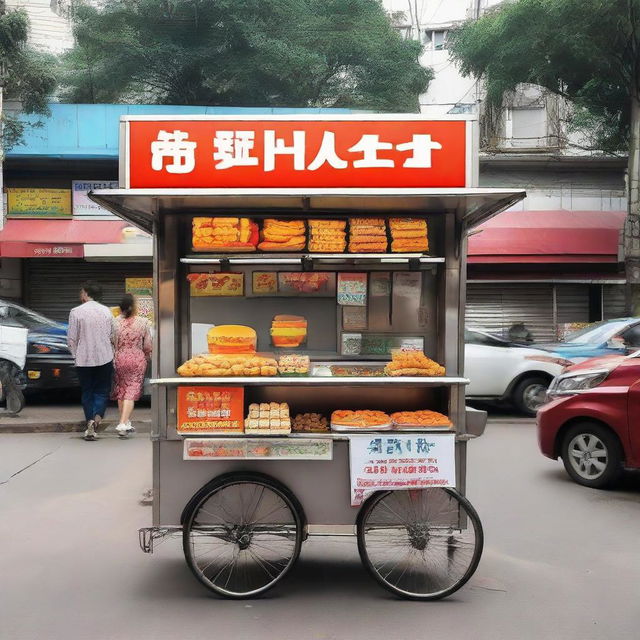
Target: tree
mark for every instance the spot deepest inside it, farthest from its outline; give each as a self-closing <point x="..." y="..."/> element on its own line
<point x="276" y="53"/>
<point x="587" y="51"/>
<point x="26" y="75"/>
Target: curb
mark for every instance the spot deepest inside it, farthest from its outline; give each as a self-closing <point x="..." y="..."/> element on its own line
<point x="64" y="427"/>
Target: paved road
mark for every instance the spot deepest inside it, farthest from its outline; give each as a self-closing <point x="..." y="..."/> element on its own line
<point x="560" y="561"/>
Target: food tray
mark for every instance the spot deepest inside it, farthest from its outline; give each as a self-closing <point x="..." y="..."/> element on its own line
<point x="293" y="375"/>
<point x="421" y="427"/>
<point x="267" y="432"/>
<point x="342" y="428"/>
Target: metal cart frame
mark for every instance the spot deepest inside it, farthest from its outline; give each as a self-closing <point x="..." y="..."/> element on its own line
<point x="180" y="487"/>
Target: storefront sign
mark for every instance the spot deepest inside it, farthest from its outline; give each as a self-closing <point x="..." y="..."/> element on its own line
<point x="210" y="410"/>
<point x="38" y="203"/>
<point x="41" y="250"/>
<point x="316" y="284"/>
<point x="264" y="283"/>
<point x="337" y="151"/>
<point x="392" y="462"/>
<point x="258" y="449"/>
<point x="85" y="208"/>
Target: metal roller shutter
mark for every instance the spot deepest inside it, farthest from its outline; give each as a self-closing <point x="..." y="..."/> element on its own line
<point x="495" y="307"/>
<point x="613" y="301"/>
<point x="572" y="303"/>
<point x="52" y="286"/>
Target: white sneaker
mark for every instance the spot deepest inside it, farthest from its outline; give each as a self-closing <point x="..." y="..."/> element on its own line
<point x="90" y="433"/>
<point x="122" y="430"/>
<point x="130" y="427"/>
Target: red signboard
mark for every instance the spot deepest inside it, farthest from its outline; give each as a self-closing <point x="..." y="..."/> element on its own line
<point x="265" y="153"/>
<point x="41" y="250"/>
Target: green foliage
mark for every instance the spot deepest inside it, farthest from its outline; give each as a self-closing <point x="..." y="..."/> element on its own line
<point x="585" y="50"/>
<point x="27" y="75"/>
<point x="278" y="53"/>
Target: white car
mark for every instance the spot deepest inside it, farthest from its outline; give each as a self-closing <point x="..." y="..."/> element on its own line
<point x="500" y="371"/>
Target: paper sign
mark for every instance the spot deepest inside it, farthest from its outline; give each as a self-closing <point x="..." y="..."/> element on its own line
<point x="210" y="409"/>
<point x="139" y="286"/>
<point x="393" y="462"/>
<point x="354" y="318"/>
<point x="264" y="283"/>
<point x="216" y="284"/>
<point x="352" y="289"/>
<point x="258" y="449"/>
<point x="38" y="203"/>
<point x="315" y="284"/>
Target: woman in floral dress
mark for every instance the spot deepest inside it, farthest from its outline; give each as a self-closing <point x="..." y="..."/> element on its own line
<point x="132" y="344"/>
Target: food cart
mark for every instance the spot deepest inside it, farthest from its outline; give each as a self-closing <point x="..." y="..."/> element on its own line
<point x="308" y="362"/>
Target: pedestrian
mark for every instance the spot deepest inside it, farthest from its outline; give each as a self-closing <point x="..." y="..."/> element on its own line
<point x="90" y="339"/>
<point x="133" y="347"/>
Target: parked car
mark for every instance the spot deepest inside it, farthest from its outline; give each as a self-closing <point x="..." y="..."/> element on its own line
<point x="591" y="421"/>
<point x="13" y="351"/>
<point x="500" y="371"/>
<point x="49" y="362"/>
<point x="609" y="337"/>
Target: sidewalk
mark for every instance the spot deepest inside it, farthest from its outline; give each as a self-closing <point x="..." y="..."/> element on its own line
<point x="61" y="418"/>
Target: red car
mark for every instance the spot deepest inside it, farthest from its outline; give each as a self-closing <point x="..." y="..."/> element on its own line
<point x="593" y="419"/>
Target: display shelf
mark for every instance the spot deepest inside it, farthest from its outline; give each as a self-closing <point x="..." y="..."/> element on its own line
<point x="439" y="381"/>
<point x="297" y="258"/>
<point x="315" y="436"/>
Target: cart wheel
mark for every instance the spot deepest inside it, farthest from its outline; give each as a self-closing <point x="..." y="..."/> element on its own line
<point x="420" y="544"/>
<point x="242" y="533"/>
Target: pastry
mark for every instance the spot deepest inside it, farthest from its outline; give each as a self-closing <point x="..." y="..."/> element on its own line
<point x="423" y="418"/>
<point x="283" y="235"/>
<point x="310" y="423"/>
<point x="288" y="331"/>
<point x="224" y="234"/>
<point x="413" y="363"/>
<point x="361" y="418"/>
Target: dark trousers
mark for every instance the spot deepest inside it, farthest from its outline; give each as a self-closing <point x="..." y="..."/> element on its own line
<point x="96" y="387"/>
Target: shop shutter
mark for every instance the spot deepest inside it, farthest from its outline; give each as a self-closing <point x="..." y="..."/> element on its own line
<point x="495" y="307"/>
<point x="52" y="286"/>
<point x="613" y="301"/>
<point x="572" y="302"/>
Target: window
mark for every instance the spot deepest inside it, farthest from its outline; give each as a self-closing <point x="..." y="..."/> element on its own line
<point x="632" y="336"/>
<point x="476" y="337"/>
<point x="435" y="39"/>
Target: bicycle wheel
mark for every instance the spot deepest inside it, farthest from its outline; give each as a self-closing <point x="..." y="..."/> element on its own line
<point x="420" y="544"/>
<point x="242" y="534"/>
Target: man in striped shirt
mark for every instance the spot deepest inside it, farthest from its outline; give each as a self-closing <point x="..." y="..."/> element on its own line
<point x="90" y="338"/>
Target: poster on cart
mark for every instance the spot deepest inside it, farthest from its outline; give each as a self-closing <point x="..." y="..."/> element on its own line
<point x="395" y="461"/>
<point x="206" y="410"/>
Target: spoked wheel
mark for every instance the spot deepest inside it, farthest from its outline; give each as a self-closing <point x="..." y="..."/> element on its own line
<point x="421" y="544"/>
<point x="242" y="533"/>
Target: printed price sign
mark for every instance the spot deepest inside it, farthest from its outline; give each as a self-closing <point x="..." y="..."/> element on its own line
<point x="393" y="462"/>
<point x="210" y="410"/>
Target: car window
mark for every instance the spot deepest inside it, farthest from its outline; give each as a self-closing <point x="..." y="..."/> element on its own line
<point x="29" y="319"/>
<point x="475" y="337"/>
<point x="597" y="333"/>
<point x="632" y="336"/>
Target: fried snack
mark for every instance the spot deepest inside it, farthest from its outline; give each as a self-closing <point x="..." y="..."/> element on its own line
<point x="283" y="235"/>
<point x="288" y="331"/>
<point x="424" y="418"/>
<point x="290" y="364"/>
<point x="367" y="235"/>
<point x="339" y="225"/>
<point x="407" y="223"/>
<point x="223" y="366"/>
<point x="268" y="417"/>
<point x="362" y="418"/>
<point x="413" y="363"/>
<point x="310" y="423"/>
<point x="232" y="339"/>
<point x="224" y="234"/>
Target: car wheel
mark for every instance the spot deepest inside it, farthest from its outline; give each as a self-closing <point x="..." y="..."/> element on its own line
<point x="592" y="455"/>
<point x="529" y="394"/>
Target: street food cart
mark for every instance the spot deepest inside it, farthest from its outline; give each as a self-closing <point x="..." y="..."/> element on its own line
<point x="309" y="283"/>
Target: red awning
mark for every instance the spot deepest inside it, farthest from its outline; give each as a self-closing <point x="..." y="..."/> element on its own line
<point x="548" y="237"/>
<point x="56" y="238"/>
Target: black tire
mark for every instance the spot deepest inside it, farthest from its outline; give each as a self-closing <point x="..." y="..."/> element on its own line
<point x="529" y="394"/>
<point x="225" y="518"/>
<point x="434" y="536"/>
<point x="603" y="466"/>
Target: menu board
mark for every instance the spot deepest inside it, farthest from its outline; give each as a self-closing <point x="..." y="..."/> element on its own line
<point x="28" y="202"/>
<point x="354" y="318"/>
<point x="352" y="289"/>
<point x="301" y="283"/>
<point x="216" y="284"/>
<point x="204" y="410"/>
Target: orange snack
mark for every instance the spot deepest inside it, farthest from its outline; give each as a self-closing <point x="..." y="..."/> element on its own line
<point x="224" y="234"/>
<point x="424" y="418"/>
<point x="283" y="235"/>
<point x="413" y="363"/>
<point x="288" y="331"/>
<point x="362" y="418"/>
<point x="231" y="339"/>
